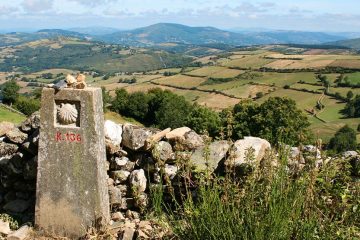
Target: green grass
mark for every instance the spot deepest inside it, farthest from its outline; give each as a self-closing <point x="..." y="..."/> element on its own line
<point x="266" y="203"/>
<point x="354" y="78"/>
<point x="250" y="61"/>
<point x="117" y="118"/>
<point x="7" y="115"/>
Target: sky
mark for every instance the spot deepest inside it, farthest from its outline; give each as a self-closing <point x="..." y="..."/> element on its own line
<point x="301" y="15"/>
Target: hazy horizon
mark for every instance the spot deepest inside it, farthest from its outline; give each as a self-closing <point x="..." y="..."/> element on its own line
<point x="305" y="15"/>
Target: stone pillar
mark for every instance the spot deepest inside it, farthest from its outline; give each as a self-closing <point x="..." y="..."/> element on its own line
<point x="71" y="191"/>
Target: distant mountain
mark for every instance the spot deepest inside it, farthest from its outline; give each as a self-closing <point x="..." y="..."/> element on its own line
<point x="94" y="31"/>
<point x="177" y="33"/>
<point x="49" y="33"/>
<point x="296" y="37"/>
<point x="350" y="43"/>
<point x="169" y="32"/>
<point x="16" y="38"/>
<point x="173" y="33"/>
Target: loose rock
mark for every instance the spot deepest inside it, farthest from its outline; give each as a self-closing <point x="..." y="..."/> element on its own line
<point x="134" y="137"/>
<point x="138" y="181"/>
<point x="120" y="175"/>
<point x="171" y="170"/>
<point x="20" y="234"/>
<point x="177" y="133"/>
<point x="190" y="141"/>
<point x="4" y="227"/>
<point x="250" y="150"/>
<point x="31" y="123"/>
<point x="215" y="153"/>
<point x="152" y="140"/>
<point x="5" y="127"/>
<point x="7" y="149"/>
<point x="113" y="132"/>
<point x="162" y="151"/>
<point x="16" y="136"/>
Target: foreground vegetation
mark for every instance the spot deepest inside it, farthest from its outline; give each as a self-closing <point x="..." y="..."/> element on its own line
<point x="271" y="201"/>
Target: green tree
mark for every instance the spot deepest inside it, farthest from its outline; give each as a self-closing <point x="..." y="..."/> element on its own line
<point x="344" y="140"/>
<point x="137" y="106"/>
<point x="203" y="119"/>
<point x="243" y="114"/>
<point x="120" y="100"/>
<point x="106" y="98"/>
<point x="10" y="91"/>
<point x="352" y="108"/>
<point x="279" y="120"/>
<point x="349" y="95"/>
<point x="173" y="112"/>
<point x="27" y="105"/>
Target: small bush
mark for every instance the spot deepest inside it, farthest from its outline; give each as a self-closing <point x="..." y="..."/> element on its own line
<point x="27" y="105"/>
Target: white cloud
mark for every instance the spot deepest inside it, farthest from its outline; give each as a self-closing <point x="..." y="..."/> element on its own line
<point x="8" y="10"/>
<point x="37" y="5"/>
<point x="92" y="3"/>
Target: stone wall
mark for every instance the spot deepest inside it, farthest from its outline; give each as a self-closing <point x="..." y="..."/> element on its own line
<point x="137" y="159"/>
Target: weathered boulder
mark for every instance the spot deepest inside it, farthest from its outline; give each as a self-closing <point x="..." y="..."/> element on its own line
<point x="31" y="123"/>
<point x="16" y="136"/>
<point x="117" y="216"/>
<point x="349" y="154"/>
<point x="162" y="151"/>
<point x="115" y="196"/>
<point x="111" y="148"/>
<point x="177" y="133"/>
<point x="138" y="181"/>
<point x="113" y="132"/>
<point x="120" y="175"/>
<point x="134" y="137"/>
<point x="128" y="231"/>
<point x="20" y="234"/>
<point x="171" y="170"/>
<point x="312" y="150"/>
<point x="152" y="140"/>
<point x="190" y="141"/>
<point x="7" y="149"/>
<point x="215" y="153"/>
<point x="250" y="150"/>
<point x="5" y="127"/>
<point x="32" y="143"/>
<point x="122" y="163"/>
<point x="4" y="228"/>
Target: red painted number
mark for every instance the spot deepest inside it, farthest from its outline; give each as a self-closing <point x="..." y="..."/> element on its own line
<point x="67" y="137"/>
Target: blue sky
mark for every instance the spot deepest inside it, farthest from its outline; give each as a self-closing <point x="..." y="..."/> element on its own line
<point x="309" y="15"/>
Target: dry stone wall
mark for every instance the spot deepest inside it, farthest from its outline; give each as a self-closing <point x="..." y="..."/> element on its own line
<point x="137" y="158"/>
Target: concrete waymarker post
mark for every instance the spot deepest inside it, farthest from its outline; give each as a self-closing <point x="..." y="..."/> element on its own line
<point x="72" y="191"/>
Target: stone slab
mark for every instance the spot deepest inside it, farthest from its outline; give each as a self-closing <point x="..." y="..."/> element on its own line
<point x="72" y="190"/>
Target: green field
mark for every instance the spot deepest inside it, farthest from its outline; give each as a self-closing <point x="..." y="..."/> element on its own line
<point x="218" y="82"/>
<point x="354" y="78"/>
<point x="9" y="116"/>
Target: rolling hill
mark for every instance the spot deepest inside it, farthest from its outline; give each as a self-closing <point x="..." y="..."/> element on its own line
<point x="350" y="43"/>
<point x="17" y="38"/>
<point x="161" y="33"/>
<point x="169" y="32"/>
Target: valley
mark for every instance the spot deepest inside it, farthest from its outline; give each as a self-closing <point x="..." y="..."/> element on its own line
<point x="214" y="75"/>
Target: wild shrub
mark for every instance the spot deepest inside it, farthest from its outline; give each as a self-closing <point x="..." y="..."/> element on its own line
<point x="270" y="202"/>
